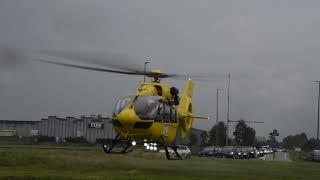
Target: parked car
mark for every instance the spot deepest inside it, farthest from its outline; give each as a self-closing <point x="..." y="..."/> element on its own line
<point x="211" y="151"/>
<point x="253" y="152"/>
<point x="231" y="152"/>
<point x="314" y="155"/>
<point x="244" y="153"/>
<point x="182" y="150"/>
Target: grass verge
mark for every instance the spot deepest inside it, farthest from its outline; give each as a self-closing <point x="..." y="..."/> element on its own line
<point x="20" y="163"/>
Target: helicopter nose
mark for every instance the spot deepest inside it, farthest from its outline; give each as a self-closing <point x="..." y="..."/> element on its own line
<point x="127" y="118"/>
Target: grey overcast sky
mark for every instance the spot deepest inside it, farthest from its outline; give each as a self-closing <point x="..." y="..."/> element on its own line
<point x="271" y="48"/>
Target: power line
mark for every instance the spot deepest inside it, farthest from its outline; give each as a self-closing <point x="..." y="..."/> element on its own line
<point x="255" y="122"/>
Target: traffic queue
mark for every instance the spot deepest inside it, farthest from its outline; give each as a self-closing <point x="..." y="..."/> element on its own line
<point x="235" y="152"/>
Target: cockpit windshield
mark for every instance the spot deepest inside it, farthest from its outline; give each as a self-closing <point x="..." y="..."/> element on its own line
<point x="122" y="104"/>
<point x="146" y="107"/>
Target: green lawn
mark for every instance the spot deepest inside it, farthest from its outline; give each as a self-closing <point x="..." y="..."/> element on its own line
<point x="93" y="163"/>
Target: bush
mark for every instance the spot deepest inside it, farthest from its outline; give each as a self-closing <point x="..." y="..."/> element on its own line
<point x="45" y="139"/>
<point x="103" y="141"/>
<point x="76" y="140"/>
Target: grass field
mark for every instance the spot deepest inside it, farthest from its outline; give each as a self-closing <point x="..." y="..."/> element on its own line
<point x="93" y="163"/>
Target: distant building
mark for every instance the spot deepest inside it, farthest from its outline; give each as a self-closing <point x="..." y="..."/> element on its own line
<point x="17" y="127"/>
<point x="91" y="128"/>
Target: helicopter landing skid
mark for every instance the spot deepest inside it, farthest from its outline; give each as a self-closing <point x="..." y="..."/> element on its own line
<point x="126" y="146"/>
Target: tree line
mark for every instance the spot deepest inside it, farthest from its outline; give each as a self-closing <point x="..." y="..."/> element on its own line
<point x="300" y="141"/>
<point x="243" y="135"/>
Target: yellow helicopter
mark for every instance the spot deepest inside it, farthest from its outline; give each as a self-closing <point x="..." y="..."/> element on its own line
<point x="153" y="114"/>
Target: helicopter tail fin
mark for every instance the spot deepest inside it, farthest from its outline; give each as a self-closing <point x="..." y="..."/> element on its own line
<point x="185" y="109"/>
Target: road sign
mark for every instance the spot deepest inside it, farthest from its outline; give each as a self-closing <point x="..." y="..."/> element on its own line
<point x="275" y="133"/>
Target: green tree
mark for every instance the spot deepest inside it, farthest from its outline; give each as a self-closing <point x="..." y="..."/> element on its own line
<point x="292" y="141"/>
<point x="204" y="139"/>
<point x="244" y="135"/>
<point x="250" y="137"/>
<point x="217" y="134"/>
<point x="311" y="144"/>
<point x="193" y="139"/>
<point x="240" y="132"/>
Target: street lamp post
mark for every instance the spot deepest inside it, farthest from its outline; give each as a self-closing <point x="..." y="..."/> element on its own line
<point x="217" y="115"/>
<point x="145" y="70"/>
<point x="318" y="109"/>
<point x="228" y="112"/>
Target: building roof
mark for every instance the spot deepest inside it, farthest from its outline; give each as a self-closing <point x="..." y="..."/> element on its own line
<point x="15" y="120"/>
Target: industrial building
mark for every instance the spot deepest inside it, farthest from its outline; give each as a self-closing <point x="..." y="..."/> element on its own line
<point x="90" y="128"/>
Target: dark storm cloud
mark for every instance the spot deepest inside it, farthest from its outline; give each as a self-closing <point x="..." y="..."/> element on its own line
<point x="271" y="49"/>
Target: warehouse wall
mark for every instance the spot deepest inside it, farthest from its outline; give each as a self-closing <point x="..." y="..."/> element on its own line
<point x="90" y="128"/>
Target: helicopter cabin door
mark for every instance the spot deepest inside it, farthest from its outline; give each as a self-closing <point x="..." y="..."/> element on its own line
<point x="168" y="116"/>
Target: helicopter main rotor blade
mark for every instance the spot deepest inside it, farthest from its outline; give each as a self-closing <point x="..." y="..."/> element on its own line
<point x="113" y="60"/>
<point x="96" y="61"/>
<point x="120" y="61"/>
<point x="90" y="68"/>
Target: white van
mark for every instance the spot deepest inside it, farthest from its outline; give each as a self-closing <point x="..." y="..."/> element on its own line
<point x="314" y="155"/>
<point x="183" y="151"/>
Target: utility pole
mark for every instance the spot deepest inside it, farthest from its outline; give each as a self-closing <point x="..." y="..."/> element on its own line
<point x="217" y="112"/>
<point x="217" y="115"/>
<point x="318" y="109"/>
<point x="145" y="70"/>
<point x="228" y="112"/>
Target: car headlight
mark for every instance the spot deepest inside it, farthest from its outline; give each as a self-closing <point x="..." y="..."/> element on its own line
<point x="239" y="153"/>
<point x="231" y="153"/>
